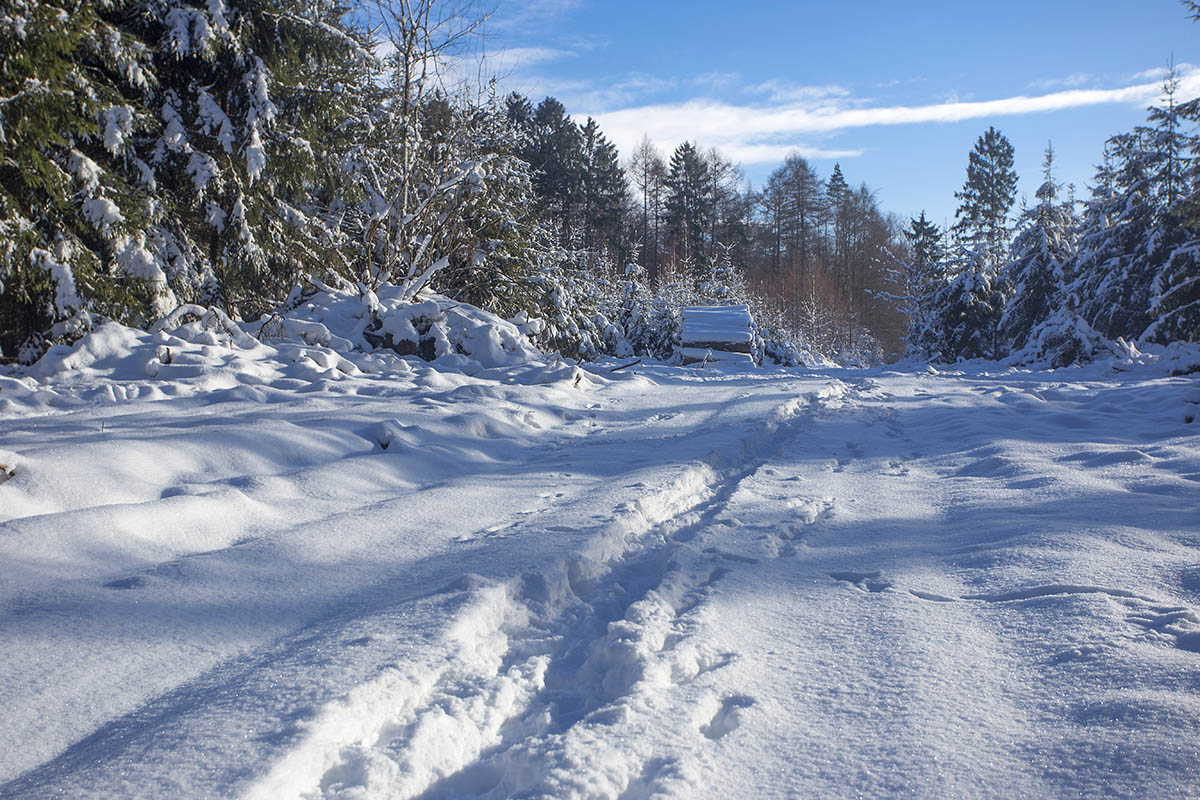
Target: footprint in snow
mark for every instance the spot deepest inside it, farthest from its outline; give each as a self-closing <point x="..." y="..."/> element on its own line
<point x="135" y="582"/>
<point x="873" y="582"/>
<point x="1086" y="652"/>
<point x="730" y="556"/>
<point x="1176" y="625"/>
<point x="728" y="717"/>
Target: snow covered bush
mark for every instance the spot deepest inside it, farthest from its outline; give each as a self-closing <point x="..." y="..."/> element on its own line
<point x="1060" y="341"/>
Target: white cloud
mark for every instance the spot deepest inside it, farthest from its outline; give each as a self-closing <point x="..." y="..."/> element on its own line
<point x="778" y="91"/>
<point x="1156" y="74"/>
<point x="530" y="13"/>
<point x="521" y="57"/>
<point x="759" y="133"/>
<point x="773" y="153"/>
<point x="1072" y="81"/>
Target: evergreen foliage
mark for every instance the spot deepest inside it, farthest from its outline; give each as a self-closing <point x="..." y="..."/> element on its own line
<point x="967" y="310"/>
<point x="688" y="212"/>
<point x="981" y="221"/>
<point x="1044" y="243"/>
<point x="920" y="274"/>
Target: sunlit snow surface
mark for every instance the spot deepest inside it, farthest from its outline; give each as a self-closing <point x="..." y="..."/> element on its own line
<point x="231" y="579"/>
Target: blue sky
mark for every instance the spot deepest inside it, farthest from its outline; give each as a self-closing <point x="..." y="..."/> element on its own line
<point x="897" y="92"/>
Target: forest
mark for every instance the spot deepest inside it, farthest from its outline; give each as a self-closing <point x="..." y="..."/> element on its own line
<point x="236" y="154"/>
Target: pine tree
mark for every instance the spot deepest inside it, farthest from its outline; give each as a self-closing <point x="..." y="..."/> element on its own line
<point x="1175" y="287"/>
<point x="969" y="307"/>
<point x="634" y="312"/>
<point x="688" y="206"/>
<point x="183" y="144"/>
<point x="967" y="310"/>
<point x="519" y="112"/>
<point x="69" y="81"/>
<point x="981" y="221"/>
<point x="249" y="96"/>
<point x="723" y="283"/>
<point x="1131" y="278"/>
<point x="838" y="193"/>
<point x="556" y="155"/>
<point x="923" y="274"/>
<point x="1043" y="245"/>
<point x="1109" y="277"/>
<point x="603" y="190"/>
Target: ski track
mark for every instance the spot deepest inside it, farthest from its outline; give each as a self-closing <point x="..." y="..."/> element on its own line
<point x="921" y="626"/>
<point x="566" y="648"/>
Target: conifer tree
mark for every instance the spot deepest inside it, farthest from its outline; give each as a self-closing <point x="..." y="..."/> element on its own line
<point x="556" y="155"/>
<point x="181" y="144"/>
<point x="250" y="97"/>
<point x="1175" y="287"/>
<point x="688" y="206"/>
<point x="981" y="221"/>
<point x="967" y="310"/>
<point x="1043" y="245"/>
<point x="603" y="190"/>
<point x="1110" y="277"/>
<point x="519" y="111"/>
<point x="1132" y="276"/>
<point x="923" y="274"/>
<point x="69" y="81"/>
<point x="838" y="193"/>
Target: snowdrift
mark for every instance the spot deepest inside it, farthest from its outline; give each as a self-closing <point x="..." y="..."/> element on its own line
<point x="320" y="338"/>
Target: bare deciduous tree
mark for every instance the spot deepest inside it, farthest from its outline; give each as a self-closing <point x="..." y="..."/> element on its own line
<point x="417" y="184"/>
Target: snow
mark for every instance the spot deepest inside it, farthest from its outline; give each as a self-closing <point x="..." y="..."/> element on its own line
<point x="716" y="335"/>
<point x="262" y="560"/>
<point x="256" y="157"/>
<point x="214" y="121"/>
<point x="88" y="172"/>
<point x="707" y="355"/>
<point x="717" y="324"/>
<point x="118" y="122"/>
<point x="203" y="168"/>
<point x="103" y="214"/>
<point x="66" y="297"/>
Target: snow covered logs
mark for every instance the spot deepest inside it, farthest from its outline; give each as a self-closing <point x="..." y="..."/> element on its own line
<point x="710" y="334"/>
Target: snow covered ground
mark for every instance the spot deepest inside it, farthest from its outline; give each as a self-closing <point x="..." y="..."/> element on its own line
<point x="335" y="580"/>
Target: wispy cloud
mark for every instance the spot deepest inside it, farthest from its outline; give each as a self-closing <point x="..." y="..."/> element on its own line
<point x="759" y="133"/>
<point x="1072" y="81"/>
<point x="778" y="91"/>
<point x="523" y="57"/>
<point x="772" y="153"/>
<point x="1156" y="74"/>
<point x="529" y="12"/>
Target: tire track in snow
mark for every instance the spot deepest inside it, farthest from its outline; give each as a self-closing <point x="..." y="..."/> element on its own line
<point x="530" y="660"/>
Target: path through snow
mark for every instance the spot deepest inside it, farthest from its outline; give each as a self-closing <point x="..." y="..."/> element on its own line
<point x="773" y="584"/>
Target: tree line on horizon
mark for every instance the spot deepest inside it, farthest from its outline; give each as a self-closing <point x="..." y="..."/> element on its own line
<point x="1069" y="277"/>
<point x="159" y="152"/>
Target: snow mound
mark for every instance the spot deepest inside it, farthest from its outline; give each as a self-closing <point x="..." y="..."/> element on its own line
<point x="323" y="339"/>
<point x="457" y="335"/>
<point x="1176" y="358"/>
<point x="1068" y="340"/>
<point x="1061" y="342"/>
